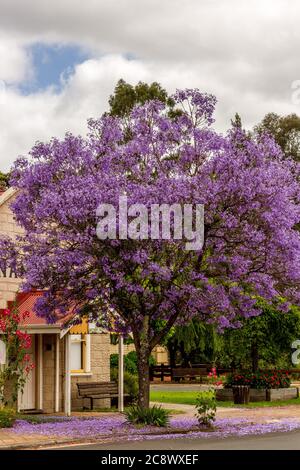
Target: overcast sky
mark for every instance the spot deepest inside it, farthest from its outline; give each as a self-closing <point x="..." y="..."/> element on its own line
<point x="60" y="59"/>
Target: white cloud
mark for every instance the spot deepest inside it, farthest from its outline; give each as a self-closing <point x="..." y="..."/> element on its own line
<point x="244" y="52"/>
<point x="15" y="62"/>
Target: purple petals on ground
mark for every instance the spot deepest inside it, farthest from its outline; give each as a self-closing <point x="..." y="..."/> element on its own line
<point x="110" y="426"/>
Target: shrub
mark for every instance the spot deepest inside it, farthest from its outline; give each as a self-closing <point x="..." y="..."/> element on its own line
<point x="7" y="417"/>
<point x="131" y="386"/>
<point x="260" y="380"/>
<point x="130" y="362"/>
<point x="206" y="407"/>
<point x="114" y="361"/>
<point x="155" y="416"/>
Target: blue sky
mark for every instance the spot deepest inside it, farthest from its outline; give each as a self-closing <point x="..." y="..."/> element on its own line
<point x="245" y="53"/>
<point x="50" y="64"/>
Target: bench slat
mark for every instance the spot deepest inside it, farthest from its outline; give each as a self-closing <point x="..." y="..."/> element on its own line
<point x="106" y="396"/>
<point x="98" y="390"/>
<point x="94" y="384"/>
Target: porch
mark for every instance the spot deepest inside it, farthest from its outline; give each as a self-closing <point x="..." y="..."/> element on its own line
<point x="62" y="360"/>
<point x="63" y="356"/>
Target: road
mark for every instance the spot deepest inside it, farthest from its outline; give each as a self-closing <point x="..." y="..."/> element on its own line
<point x="274" y="441"/>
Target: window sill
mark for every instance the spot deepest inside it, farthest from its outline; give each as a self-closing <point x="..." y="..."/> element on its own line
<point x="81" y="374"/>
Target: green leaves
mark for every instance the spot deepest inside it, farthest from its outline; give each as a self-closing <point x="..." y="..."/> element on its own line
<point x="206" y="407"/>
<point x="126" y="96"/>
<point x="7" y="417"/>
<point x="154" y="416"/>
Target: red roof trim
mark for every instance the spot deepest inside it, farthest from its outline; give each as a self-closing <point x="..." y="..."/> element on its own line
<point x="26" y="302"/>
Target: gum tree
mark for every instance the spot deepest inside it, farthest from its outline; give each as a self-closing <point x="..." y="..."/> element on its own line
<point x="251" y="199"/>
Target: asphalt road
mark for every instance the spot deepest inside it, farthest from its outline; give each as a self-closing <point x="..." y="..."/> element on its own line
<point x="275" y="441"/>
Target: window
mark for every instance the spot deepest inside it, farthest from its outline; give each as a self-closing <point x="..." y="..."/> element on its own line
<point x="79" y="354"/>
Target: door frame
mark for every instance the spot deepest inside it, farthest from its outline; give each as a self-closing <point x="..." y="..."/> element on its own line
<point x="34" y="375"/>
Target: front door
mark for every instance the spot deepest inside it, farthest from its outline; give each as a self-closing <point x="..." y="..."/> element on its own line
<point x="28" y="397"/>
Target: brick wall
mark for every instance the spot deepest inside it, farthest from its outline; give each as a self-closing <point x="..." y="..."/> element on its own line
<point x="8" y="226"/>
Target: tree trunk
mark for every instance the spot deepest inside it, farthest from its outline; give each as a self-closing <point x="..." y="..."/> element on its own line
<point x="144" y="380"/>
<point x="143" y="355"/>
<point x="254" y="357"/>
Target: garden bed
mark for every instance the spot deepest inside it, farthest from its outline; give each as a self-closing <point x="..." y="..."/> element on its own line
<point x="116" y="429"/>
<point x="256" y="395"/>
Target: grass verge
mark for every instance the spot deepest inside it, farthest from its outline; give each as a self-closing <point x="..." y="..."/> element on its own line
<point x="189" y="398"/>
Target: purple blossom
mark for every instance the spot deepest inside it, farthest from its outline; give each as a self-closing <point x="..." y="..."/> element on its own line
<point x="251" y="198"/>
<point x="116" y="426"/>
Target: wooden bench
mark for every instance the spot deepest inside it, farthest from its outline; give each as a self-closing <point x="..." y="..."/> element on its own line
<point x="98" y="390"/>
<point x="189" y="373"/>
<point x="160" y="371"/>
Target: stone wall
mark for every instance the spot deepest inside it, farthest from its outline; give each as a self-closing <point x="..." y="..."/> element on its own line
<point x="8" y="224"/>
<point x="225" y="394"/>
<point x="100" y="372"/>
<point x="275" y="394"/>
<point x="114" y="348"/>
<point x="8" y="290"/>
<point x="8" y="227"/>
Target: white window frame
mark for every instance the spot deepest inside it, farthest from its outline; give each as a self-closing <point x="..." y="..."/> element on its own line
<point x="86" y="355"/>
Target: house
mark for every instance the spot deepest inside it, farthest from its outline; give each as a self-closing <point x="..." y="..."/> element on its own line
<point x="62" y="356"/>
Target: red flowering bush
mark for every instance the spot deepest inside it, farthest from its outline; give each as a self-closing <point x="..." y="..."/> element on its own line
<point x="213" y="378"/>
<point x="260" y="379"/>
<point x="18" y="362"/>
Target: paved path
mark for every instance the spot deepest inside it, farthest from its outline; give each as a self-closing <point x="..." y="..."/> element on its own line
<point x="278" y="441"/>
<point x="257" y="415"/>
<point x="189" y="410"/>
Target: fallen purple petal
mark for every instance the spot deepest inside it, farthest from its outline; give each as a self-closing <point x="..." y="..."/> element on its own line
<point x="117" y="426"/>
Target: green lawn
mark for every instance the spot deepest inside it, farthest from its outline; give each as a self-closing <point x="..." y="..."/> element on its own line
<point x="189" y="398"/>
<point x="183" y="398"/>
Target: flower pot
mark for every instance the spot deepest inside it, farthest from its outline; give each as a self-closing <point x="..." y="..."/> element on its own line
<point x="241" y="394"/>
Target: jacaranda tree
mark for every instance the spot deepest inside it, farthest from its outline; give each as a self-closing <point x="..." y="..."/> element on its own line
<point x="143" y="285"/>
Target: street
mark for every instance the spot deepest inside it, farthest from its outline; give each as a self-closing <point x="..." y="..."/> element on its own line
<point x="278" y="441"/>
